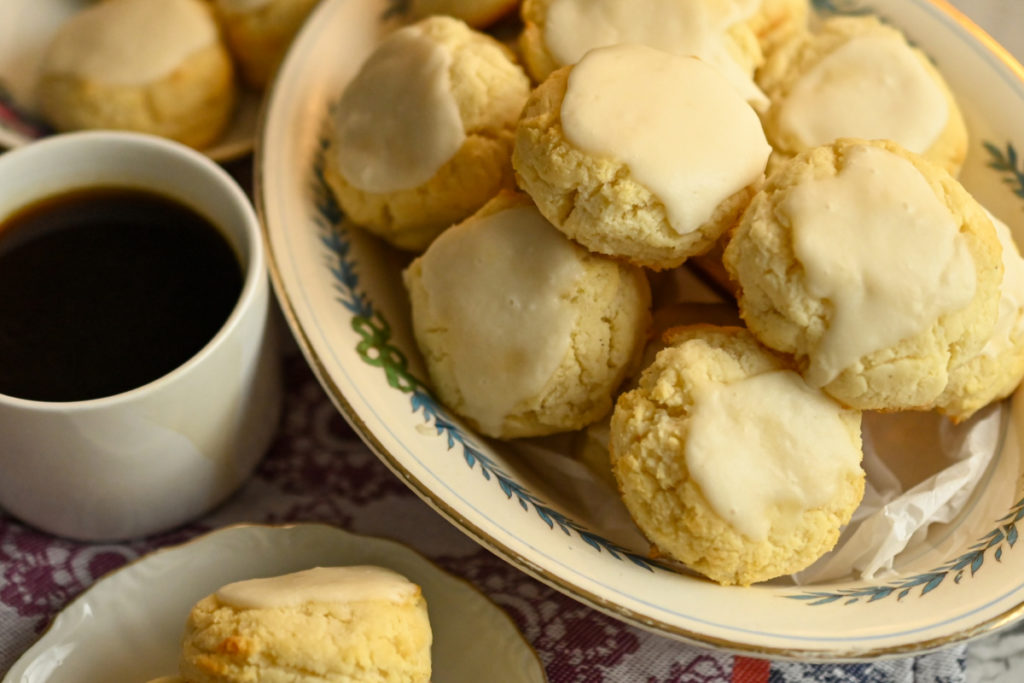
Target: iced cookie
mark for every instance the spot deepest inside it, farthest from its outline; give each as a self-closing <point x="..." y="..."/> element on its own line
<point x="590" y="446"/>
<point x="730" y="463"/>
<point x="651" y="184"/>
<point x="524" y="333"/>
<point x="258" y="33"/>
<point x="858" y="78"/>
<point x="996" y="371"/>
<point x="873" y="267"/>
<point x="558" y="33"/>
<point x="422" y="137"/>
<point x="353" y="624"/>
<point x="152" y="66"/>
<point x="476" y="13"/>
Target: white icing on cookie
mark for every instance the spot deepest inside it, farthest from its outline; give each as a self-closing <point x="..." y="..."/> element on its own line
<point x="693" y="142"/>
<point x="767" y="447"/>
<point x="321" y="584"/>
<point x="873" y="87"/>
<point x="502" y="286"/>
<point x="574" y="27"/>
<point x="130" y="42"/>
<point x="398" y="122"/>
<point x="876" y="242"/>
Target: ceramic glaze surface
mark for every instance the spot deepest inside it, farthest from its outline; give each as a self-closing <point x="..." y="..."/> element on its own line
<point x="342" y="294"/>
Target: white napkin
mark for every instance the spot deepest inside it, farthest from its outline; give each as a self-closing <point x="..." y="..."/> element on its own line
<point x="940" y="463"/>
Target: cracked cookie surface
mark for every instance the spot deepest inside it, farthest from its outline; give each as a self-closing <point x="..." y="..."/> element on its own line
<point x="856" y="77"/>
<point x="524" y="333"/>
<point x="873" y="267"/>
<point x="320" y="625"/>
<point x="660" y="201"/>
<point x="761" y="498"/>
<point x="488" y="90"/>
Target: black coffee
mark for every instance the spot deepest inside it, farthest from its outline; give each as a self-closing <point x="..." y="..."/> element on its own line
<point x="104" y="290"/>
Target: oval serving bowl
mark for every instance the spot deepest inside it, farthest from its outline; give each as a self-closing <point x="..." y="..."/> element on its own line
<point x="342" y="294"/>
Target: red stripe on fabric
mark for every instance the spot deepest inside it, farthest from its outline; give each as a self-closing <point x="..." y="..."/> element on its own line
<point x="749" y="670"/>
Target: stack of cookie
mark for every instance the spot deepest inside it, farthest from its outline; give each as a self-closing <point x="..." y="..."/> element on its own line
<point x="815" y="166"/>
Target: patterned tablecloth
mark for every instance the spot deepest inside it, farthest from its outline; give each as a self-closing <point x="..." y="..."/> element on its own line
<point x="318" y="470"/>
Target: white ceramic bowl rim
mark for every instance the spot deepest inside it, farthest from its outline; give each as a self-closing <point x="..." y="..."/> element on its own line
<point x="322" y="339"/>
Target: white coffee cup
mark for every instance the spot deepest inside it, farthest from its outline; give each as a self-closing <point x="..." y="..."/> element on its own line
<point x="161" y="454"/>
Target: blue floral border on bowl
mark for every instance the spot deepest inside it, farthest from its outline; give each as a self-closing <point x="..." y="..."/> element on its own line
<point x="376" y="349"/>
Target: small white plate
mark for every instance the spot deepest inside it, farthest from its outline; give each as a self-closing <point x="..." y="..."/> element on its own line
<point x="26" y="28"/>
<point x="128" y="626"/>
<point x="342" y="293"/>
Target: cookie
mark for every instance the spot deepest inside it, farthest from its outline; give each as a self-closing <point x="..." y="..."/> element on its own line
<point x="422" y="137"/>
<point x="338" y="624"/>
<point x="652" y="184"/>
<point x="558" y="33"/>
<point x="151" y="66"/>
<point x="996" y="371"/>
<point x="476" y="13"/>
<point x="259" y="32"/>
<point x="590" y="446"/>
<point x="730" y="463"/>
<point x="859" y="78"/>
<point x="873" y="267"/>
<point x="775" y="21"/>
<point x="524" y="333"/>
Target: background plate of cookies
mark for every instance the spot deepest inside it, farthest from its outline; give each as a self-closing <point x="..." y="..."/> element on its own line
<point x="457" y="352"/>
<point x="131" y="626"/>
<point x="160" y="67"/>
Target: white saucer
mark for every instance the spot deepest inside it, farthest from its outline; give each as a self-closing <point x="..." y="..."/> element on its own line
<point x="128" y="626"/>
